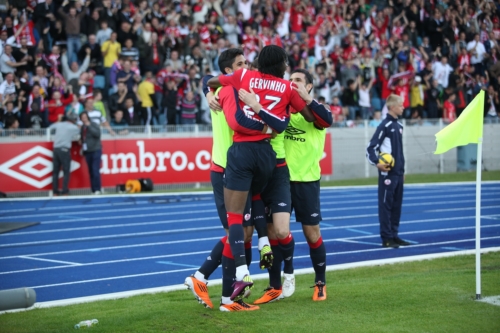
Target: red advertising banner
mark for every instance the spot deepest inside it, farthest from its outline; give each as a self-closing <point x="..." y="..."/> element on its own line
<point x="27" y="166"/>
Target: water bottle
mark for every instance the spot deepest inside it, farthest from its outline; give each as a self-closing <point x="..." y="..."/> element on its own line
<point x="87" y="323"/>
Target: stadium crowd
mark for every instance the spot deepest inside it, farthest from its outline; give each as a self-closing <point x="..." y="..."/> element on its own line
<point x="141" y="61"/>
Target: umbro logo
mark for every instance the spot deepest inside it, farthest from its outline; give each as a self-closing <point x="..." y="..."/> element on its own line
<point x="321" y="264"/>
<point x="289" y="258"/>
<point x="209" y="258"/>
<point x="282" y="204"/>
<point x="314" y="214"/>
<point x="294" y="131"/>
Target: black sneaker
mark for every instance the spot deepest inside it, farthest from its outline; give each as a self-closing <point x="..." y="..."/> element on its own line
<point x="401" y="242"/>
<point x="390" y="243"/>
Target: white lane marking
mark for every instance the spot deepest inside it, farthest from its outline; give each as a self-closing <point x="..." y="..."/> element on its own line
<point x="51" y="260"/>
<point x="79" y="239"/>
<point x="127" y="225"/>
<point x="296" y="243"/>
<point x="191" y="269"/>
<point x="408" y="196"/>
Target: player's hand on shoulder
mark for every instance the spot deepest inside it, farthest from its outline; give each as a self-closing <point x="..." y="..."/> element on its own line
<point x="213" y="102"/>
<point x="383" y="167"/>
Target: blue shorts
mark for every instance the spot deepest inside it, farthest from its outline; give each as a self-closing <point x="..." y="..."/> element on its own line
<point x="218" y="188"/>
<point x="305" y="202"/>
<point x="276" y="196"/>
<point x="249" y="166"/>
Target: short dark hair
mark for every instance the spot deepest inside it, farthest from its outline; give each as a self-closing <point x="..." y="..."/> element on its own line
<point x="226" y="58"/>
<point x="309" y="77"/>
<point x="272" y="60"/>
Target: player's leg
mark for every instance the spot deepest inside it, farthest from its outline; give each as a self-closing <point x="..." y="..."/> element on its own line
<point x="197" y="282"/>
<point x="260" y="223"/>
<point x="396" y="210"/>
<point x="228" y="303"/>
<point x="385" y="204"/>
<point x="237" y="184"/>
<point x="306" y="202"/>
<point x="274" y="291"/>
<point x="317" y="252"/>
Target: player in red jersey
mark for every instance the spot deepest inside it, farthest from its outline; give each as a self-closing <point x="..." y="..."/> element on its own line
<point x="251" y="159"/>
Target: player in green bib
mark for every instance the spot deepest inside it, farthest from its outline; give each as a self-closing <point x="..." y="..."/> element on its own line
<point x="304" y="146"/>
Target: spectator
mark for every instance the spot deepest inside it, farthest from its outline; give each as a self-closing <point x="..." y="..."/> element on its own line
<point x="350" y="98"/>
<point x="129" y="51"/>
<point x="72" y="22"/>
<point x="111" y="49"/>
<point x="365" y="99"/>
<point x="449" y="112"/>
<point x="170" y="102"/>
<point x="127" y="77"/>
<point x="57" y="105"/>
<point x="104" y="33"/>
<point x="8" y="63"/>
<point x="73" y="74"/>
<point x="119" y="124"/>
<point x="189" y="109"/>
<point x="7" y="89"/>
<point x="98" y="104"/>
<point x="132" y="113"/>
<point x="492" y="105"/>
<point x="74" y="107"/>
<point x="65" y="132"/>
<point x="96" y="59"/>
<point x="442" y="71"/>
<point x="96" y="116"/>
<point x="377" y="119"/>
<point x="477" y="51"/>
<point x="92" y="150"/>
<point x="146" y="92"/>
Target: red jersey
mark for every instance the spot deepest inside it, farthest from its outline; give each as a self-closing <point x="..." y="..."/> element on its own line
<point x="403" y="92"/>
<point x="296" y="19"/>
<point x="449" y="112"/>
<point x="336" y="111"/>
<point x="274" y="94"/>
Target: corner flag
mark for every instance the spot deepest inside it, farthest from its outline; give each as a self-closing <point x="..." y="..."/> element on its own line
<point x="468" y="128"/>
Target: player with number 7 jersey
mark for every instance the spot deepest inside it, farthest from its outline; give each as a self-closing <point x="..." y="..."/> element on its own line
<point x="273" y="93"/>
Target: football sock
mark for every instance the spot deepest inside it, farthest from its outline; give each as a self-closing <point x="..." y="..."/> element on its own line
<point x="213" y="260"/>
<point x="248" y="253"/>
<point x="228" y="273"/>
<point x="287" y="246"/>
<point x="236" y="238"/>
<point x="259" y="219"/>
<point x="241" y="271"/>
<point x="317" y="251"/>
<point x="275" y="270"/>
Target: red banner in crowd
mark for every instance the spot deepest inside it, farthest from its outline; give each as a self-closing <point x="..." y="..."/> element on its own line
<point x="28" y="166"/>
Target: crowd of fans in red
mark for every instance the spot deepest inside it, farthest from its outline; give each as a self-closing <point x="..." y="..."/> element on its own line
<point x="55" y="56"/>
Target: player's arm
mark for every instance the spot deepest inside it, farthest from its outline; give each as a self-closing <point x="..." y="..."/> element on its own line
<point x="276" y="123"/>
<point x="300" y="99"/>
<point x="233" y="79"/>
<point x="322" y="114"/>
<point x="212" y="98"/>
<point x="373" y="149"/>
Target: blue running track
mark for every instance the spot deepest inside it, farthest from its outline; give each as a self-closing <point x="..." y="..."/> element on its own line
<point x="90" y="246"/>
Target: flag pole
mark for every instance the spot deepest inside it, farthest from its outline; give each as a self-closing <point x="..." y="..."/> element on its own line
<point x="478" y="216"/>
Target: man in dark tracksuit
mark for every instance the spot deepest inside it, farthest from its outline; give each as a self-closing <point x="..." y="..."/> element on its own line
<point x="388" y="138"/>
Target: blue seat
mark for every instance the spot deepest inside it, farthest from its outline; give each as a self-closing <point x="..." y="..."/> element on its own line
<point x="99" y="82"/>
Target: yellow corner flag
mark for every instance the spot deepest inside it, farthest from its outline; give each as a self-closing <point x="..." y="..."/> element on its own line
<point x="468" y="128"/>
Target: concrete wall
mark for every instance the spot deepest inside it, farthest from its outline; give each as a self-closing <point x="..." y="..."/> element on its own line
<point x="349" y="147"/>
